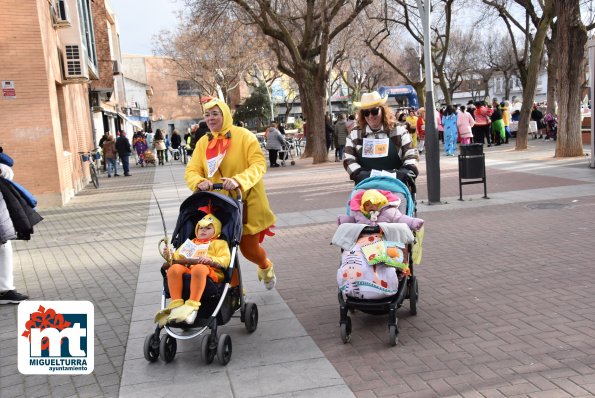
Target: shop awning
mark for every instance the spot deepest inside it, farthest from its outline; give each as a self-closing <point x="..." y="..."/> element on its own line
<point x="135" y="123"/>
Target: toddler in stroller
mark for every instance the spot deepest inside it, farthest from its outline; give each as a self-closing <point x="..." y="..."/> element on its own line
<point x="204" y="256"/>
<point x="204" y="282"/>
<point x="377" y="242"/>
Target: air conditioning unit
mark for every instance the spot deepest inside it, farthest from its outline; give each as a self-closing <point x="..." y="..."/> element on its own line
<point x="61" y="14"/>
<point x="73" y="53"/>
<point x="74" y="62"/>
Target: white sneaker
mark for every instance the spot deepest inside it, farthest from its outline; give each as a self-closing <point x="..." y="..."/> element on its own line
<point x="270" y="283"/>
<point x="191" y="318"/>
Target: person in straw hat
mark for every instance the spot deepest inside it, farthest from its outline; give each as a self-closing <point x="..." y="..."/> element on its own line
<point x="378" y="144"/>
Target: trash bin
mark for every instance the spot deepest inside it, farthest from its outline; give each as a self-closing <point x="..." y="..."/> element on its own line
<point x="472" y="166"/>
<point x="471" y="161"/>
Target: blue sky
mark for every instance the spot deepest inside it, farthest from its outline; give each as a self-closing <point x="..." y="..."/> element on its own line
<point x="139" y="20"/>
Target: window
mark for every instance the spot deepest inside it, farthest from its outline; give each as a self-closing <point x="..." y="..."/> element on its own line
<point x="87" y="34"/>
<point x="188" y="88"/>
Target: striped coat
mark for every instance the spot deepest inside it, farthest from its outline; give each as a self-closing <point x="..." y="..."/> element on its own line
<point x="399" y="137"/>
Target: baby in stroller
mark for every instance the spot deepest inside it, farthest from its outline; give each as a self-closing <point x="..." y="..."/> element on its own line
<point x="203" y="257"/>
<point x="377" y="241"/>
<point x="373" y="206"/>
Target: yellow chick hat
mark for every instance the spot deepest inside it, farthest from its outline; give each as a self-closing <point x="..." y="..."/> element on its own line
<point x="208" y="220"/>
<point x="373" y="196"/>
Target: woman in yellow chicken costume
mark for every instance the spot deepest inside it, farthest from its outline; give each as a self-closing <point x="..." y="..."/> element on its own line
<point x="232" y="156"/>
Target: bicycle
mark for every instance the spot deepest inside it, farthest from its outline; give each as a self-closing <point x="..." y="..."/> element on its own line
<point x="92" y="157"/>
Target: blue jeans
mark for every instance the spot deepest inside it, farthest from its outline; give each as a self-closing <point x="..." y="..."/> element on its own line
<point x="340" y="151"/>
<point x="112" y="165"/>
<point x="125" y="163"/>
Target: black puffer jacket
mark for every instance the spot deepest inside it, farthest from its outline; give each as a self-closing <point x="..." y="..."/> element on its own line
<point x="22" y="215"/>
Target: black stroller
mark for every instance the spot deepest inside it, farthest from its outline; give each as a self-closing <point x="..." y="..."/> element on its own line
<point x="219" y="301"/>
<point x="408" y="287"/>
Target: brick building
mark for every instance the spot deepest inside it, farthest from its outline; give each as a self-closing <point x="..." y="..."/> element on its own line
<point x="176" y="103"/>
<point x="47" y="53"/>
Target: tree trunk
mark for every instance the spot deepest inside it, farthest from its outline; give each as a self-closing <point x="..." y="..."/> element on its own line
<point x="420" y="89"/>
<point x="571" y="38"/>
<point x="444" y="88"/>
<point x="552" y="72"/>
<point x="312" y="95"/>
<point x="530" y="86"/>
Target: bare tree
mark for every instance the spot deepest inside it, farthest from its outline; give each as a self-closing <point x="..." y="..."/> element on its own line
<point x="300" y="33"/>
<point x="396" y="18"/>
<point x="500" y="58"/>
<point x="534" y="30"/>
<point x="571" y="37"/>
<point x="209" y="70"/>
<point x="458" y="64"/>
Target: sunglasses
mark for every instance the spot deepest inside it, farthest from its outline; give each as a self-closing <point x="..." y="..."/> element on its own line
<point x="373" y="111"/>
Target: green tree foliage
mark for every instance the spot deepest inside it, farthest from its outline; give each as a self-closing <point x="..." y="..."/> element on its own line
<point x="256" y="110"/>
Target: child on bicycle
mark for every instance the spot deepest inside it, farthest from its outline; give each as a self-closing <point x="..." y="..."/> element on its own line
<point x="206" y="258"/>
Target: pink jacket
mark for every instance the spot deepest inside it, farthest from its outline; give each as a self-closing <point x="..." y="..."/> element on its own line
<point x="464" y="123"/>
<point x="482" y="115"/>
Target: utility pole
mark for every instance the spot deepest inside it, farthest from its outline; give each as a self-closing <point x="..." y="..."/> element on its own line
<point x="432" y="139"/>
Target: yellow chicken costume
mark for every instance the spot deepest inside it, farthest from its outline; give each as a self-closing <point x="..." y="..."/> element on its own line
<point x="234" y="152"/>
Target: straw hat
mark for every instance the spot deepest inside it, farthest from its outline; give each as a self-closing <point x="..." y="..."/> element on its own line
<point x="370" y="100"/>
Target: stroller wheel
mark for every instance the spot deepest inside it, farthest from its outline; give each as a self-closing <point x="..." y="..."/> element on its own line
<point x="346" y="331"/>
<point x="224" y="349"/>
<point x="393" y="333"/>
<point x="167" y="348"/>
<point x="293" y="162"/>
<point x="251" y="317"/>
<point x="207" y="351"/>
<point x="151" y="347"/>
<point x="413" y="295"/>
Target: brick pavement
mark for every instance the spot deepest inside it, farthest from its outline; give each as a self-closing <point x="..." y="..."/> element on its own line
<point x="87" y="250"/>
<point x="505" y="306"/>
<point x="506" y="289"/>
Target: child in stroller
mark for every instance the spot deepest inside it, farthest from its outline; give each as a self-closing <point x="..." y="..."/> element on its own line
<point x="203" y="216"/>
<point x="202" y="257"/>
<point x="376" y="272"/>
<point x="373" y="206"/>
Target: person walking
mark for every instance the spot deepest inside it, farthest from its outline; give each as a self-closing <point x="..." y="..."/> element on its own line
<point x="8" y="292"/>
<point x="411" y="120"/>
<point x="420" y="128"/>
<point x="232" y="156"/>
<point x="465" y="123"/>
<point x="159" y="144"/>
<point x="140" y="146"/>
<point x="101" y="142"/>
<point x="110" y="153"/>
<point x="505" y="106"/>
<point x="167" y="147"/>
<point x="449" y="121"/>
<point x="537" y="116"/>
<point x="482" y="123"/>
<point x="124" y="150"/>
<point x="497" y="124"/>
<point x="275" y="143"/>
<point x="340" y="135"/>
<point x="176" y="140"/>
<point x="377" y="143"/>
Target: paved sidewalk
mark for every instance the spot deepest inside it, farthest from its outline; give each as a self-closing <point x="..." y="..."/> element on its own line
<point x="506" y="290"/>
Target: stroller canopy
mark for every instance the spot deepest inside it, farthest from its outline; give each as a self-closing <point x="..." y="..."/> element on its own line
<point x="225" y="208"/>
<point x="388" y="184"/>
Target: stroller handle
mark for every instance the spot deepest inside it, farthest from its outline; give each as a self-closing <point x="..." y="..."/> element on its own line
<point x="219" y="187"/>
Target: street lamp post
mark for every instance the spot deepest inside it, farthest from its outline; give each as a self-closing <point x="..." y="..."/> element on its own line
<point x="432" y="139"/>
